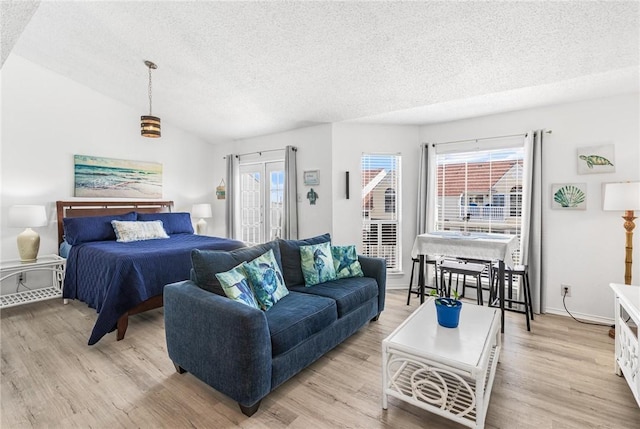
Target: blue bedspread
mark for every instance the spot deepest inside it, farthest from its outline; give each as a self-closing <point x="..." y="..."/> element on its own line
<point x="115" y="277"/>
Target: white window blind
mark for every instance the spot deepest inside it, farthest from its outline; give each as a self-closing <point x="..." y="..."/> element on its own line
<point x="381" y="226"/>
<point x="480" y="190"/>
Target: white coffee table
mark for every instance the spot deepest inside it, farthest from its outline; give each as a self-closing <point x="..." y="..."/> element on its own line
<point x="446" y="371"/>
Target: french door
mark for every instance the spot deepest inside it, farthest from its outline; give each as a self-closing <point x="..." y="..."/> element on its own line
<point x="261" y="201"/>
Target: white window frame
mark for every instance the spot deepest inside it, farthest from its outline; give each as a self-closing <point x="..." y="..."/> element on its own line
<point x="375" y="201"/>
<point x="485" y="216"/>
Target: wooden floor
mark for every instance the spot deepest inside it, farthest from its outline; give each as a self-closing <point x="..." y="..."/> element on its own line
<point x="560" y="375"/>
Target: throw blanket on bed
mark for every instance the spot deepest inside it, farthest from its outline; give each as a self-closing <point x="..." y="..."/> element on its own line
<point x="115" y="277"/>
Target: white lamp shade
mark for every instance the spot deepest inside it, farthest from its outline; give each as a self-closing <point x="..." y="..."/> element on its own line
<point x="27" y="216"/>
<point x="622" y="196"/>
<point x="201" y="210"/>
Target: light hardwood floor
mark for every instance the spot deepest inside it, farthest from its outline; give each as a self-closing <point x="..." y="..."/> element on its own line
<point x="560" y="375"/>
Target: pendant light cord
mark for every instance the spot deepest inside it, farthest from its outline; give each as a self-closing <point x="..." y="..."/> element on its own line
<point x="150" y="113"/>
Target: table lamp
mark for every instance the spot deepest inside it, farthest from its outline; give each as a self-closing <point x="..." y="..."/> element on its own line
<point x="202" y="211"/>
<point x="624" y="197"/>
<point x="28" y="240"/>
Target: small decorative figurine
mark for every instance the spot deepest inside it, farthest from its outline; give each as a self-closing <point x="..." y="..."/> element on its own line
<point x="312" y="196"/>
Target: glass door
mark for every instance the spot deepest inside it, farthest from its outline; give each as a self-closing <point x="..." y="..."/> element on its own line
<point x="261" y="201"/>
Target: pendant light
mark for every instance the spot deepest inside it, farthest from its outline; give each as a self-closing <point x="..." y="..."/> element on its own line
<point x="150" y="125"/>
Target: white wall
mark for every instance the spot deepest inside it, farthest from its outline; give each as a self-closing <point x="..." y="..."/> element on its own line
<point x="350" y="141"/>
<point x="584" y="249"/>
<point x="314" y="153"/>
<point x="47" y="118"/>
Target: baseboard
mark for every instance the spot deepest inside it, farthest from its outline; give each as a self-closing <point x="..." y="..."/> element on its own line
<point x="580" y="316"/>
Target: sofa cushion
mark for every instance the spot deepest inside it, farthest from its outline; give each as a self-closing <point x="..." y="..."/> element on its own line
<point x="290" y="253"/>
<point x="174" y="223"/>
<point x="265" y="277"/>
<point x="317" y="264"/>
<point x="236" y="286"/>
<point x="349" y="294"/>
<point x="345" y="260"/>
<point x="296" y="317"/>
<point x="207" y="263"/>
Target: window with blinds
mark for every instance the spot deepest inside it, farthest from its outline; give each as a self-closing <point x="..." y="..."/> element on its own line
<point x="480" y="190"/>
<point x="381" y="208"/>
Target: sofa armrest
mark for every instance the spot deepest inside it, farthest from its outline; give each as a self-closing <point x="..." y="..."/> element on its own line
<point x="224" y="343"/>
<point x="376" y="268"/>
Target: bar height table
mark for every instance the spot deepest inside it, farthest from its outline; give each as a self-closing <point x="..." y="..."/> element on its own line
<point x="474" y="245"/>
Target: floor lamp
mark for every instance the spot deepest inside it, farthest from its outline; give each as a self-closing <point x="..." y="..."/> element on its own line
<point x="624" y="197"/>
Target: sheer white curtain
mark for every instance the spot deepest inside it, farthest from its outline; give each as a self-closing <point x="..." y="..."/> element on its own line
<point x="230" y="209"/>
<point x="532" y="216"/>
<point x="290" y="215"/>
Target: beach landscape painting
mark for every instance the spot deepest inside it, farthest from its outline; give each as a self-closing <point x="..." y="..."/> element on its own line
<point x="118" y="178"/>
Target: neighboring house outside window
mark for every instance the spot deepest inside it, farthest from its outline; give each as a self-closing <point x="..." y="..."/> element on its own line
<point x="381" y="217"/>
<point x="480" y="190"/>
<point x="390" y="200"/>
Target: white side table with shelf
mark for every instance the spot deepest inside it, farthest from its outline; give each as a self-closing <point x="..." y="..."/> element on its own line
<point x="627" y="318"/>
<point x="12" y="268"/>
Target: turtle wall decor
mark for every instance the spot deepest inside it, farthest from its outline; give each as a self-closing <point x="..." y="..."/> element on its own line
<point x="596" y="159"/>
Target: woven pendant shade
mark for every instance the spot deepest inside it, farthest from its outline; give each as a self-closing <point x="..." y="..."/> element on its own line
<point x="150" y="126"/>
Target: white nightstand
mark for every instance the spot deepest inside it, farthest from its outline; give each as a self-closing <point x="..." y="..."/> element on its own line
<point x="53" y="263"/>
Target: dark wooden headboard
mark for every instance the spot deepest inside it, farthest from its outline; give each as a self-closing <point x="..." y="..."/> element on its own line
<point x="102" y="208"/>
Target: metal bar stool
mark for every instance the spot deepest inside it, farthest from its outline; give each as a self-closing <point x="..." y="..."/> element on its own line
<point x="416" y="291"/>
<point x="521" y="271"/>
<point x="465" y="269"/>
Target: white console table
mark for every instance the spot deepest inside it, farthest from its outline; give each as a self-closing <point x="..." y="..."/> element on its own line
<point x="53" y="263"/>
<point x="627" y="318"/>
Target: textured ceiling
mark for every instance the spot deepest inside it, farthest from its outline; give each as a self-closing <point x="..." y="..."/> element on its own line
<point x="230" y="70"/>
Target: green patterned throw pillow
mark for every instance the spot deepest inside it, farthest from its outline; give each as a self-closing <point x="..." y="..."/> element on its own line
<point x="317" y="264"/>
<point x="345" y="261"/>
<point x="236" y="286"/>
<point x="265" y="277"/>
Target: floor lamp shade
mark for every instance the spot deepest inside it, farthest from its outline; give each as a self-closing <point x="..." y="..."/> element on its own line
<point x="28" y="216"/>
<point x="624" y="197"/>
<point x="201" y="211"/>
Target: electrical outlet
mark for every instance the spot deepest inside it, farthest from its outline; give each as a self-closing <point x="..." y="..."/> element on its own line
<point x="565" y="290"/>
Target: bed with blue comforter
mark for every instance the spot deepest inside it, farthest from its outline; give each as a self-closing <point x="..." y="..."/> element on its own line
<point x="116" y="277"/>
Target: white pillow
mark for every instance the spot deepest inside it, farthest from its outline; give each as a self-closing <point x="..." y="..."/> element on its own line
<point x="127" y="231"/>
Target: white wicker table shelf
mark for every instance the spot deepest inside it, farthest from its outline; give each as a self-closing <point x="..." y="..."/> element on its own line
<point x="627" y="341"/>
<point x="449" y="372"/>
<point x="53" y="263"/>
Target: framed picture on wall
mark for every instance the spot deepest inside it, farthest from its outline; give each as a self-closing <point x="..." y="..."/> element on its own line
<point x="311" y="177"/>
<point x="96" y="176"/>
<point x="596" y="159"/>
<point x="569" y="196"/>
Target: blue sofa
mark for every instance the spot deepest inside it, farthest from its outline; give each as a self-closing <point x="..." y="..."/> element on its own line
<point x="246" y="353"/>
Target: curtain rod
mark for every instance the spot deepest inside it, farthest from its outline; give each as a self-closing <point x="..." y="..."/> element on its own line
<point x="260" y="152"/>
<point x="487" y="138"/>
